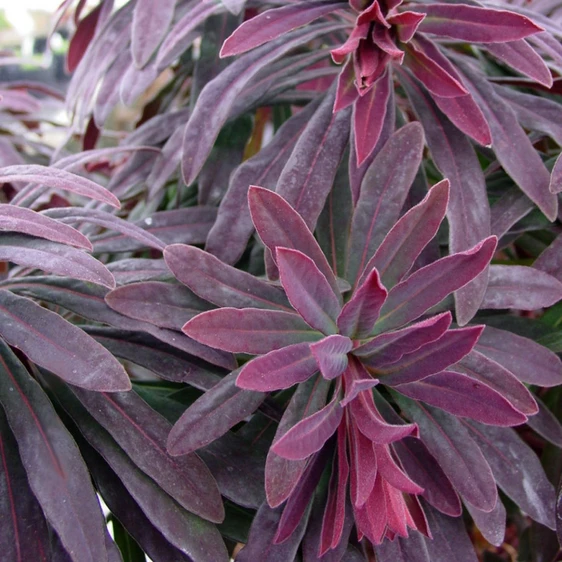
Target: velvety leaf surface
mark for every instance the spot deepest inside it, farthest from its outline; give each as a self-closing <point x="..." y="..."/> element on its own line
<point x="133" y="270"/>
<point x="54" y="258"/>
<point x="521" y="287"/>
<point x="409" y="236"/>
<point x="202" y="542"/>
<point x="460" y="395"/>
<point x="527" y="360"/>
<point x="474" y="24"/>
<point x="331" y="355"/>
<point x="456" y="452"/>
<point x="309" y="172"/>
<point x="387" y="179"/>
<point x="545" y="423"/>
<point x="432" y="283"/>
<point x="512" y="206"/>
<point x="212" y="415"/>
<point x="216" y="99"/>
<point x="151" y="19"/>
<point x="161" y="304"/>
<point x="550" y="260"/>
<point x="219" y="283"/>
<point x="24" y="534"/>
<point x="141" y="432"/>
<point x="309" y="435"/>
<point x="272" y="23"/>
<point x="278" y="224"/>
<point x="492" y="524"/>
<point x="52" y="342"/>
<point x="58" y="179"/>
<point x="410" y="549"/>
<point x="55" y="470"/>
<point x="278" y="369"/>
<point x="282" y="475"/>
<point x="308" y="290"/>
<point x="250" y="330"/>
<point x="26" y="221"/>
<point x="517" y="471"/>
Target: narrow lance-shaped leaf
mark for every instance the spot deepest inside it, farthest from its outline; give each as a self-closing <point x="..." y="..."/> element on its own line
<point x="275" y="22"/>
<point x="58" y="179"/>
<point x="26" y="221"/>
<point x="462" y="396"/>
<point x="52" y="342"/>
<point x="220" y="283"/>
<point x="212" y="415"/>
<point x="556" y="178"/>
<point x="331" y="355"/>
<point x="55" y="470"/>
<point x="308" y="290"/>
<point x="151" y="19"/>
<point x="216" y="99"/>
<point x="54" y="258"/>
<point x="278" y="369"/>
<point x="492" y="524"/>
<point x="432" y="283"/>
<point x="475" y="24"/>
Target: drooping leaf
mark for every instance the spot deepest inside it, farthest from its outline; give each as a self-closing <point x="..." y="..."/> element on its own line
<point x="212" y="415"/>
<point x="141" y="432"/>
<point x="26" y="221"/>
<point x="460" y="395"/>
<point x="58" y="179"/>
<point x="429" y="285"/>
<point x="388" y="179"/>
<point x="54" y="258"/>
<point x="475" y="24"/>
<point x="81" y="39"/>
<point x="492" y="524"/>
<point x="55" y="470"/>
<point x="544" y="422"/>
<point x="278" y="369"/>
<point x="151" y="20"/>
<point x="271" y="24"/>
<point x="363" y="459"/>
<point x="527" y="360"/>
<point x="52" y="342"/>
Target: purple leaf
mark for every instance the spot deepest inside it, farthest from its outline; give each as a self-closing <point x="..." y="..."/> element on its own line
<point x="512" y="206"/>
<point x="456" y="452"/>
<point x="369" y="112"/>
<point x="52" y="342"/>
<point x="134" y="82"/>
<point x="462" y="396"/>
<point x="429" y="359"/>
<point x="212" y="415"/>
<point x="392" y="473"/>
<point x="278" y="224"/>
<point x="26" y="221"/>
<point x="161" y="304"/>
<point x="484" y="370"/>
<point x="492" y="524"/>
<point x="282" y="475"/>
<point x="55" y="470"/>
<point x="331" y="355"/>
<point x="271" y="24"/>
<point x="528" y="361"/>
<point x="278" y="369"/>
<point x="556" y="178"/>
<point x="545" y="423"/>
<point x="512" y="147"/>
<point x="54" y="258"/>
<point x="249" y="330"/>
<point x="309" y="435"/>
<point x="308" y="290"/>
<point x="475" y="24"/>
<point x="429" y="285"/>
<point x="359" y="314"/>
<point x="218" y="96"/>
<point x="364" y="463"/>
<point x="141" y="432"/>
<point x="523" y="58"/>
<point x="219" y="283"/>
<point x="58" y="179"/>
<point x="390" y="347"/>
<point x="134" y="270"/>
<point x="229" y="235"/>
<point x="517" y="471"/>
<point x="521" y="287"/>
<point x="346" y="92"/>
<point x="151" y="20"/>
<point x="382" y="196"/>
<point x="24" y="535"/>
<point x="309" y="172"/>
<point x="422" y="467"/>
<point x="409" y="236"/>
<point x="412" y="549"/>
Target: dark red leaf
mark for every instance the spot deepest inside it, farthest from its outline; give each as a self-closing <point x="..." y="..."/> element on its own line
<point x="331" y="355"/>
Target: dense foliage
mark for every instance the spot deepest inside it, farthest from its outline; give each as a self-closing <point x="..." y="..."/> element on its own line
<point x="302" y="302"/>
